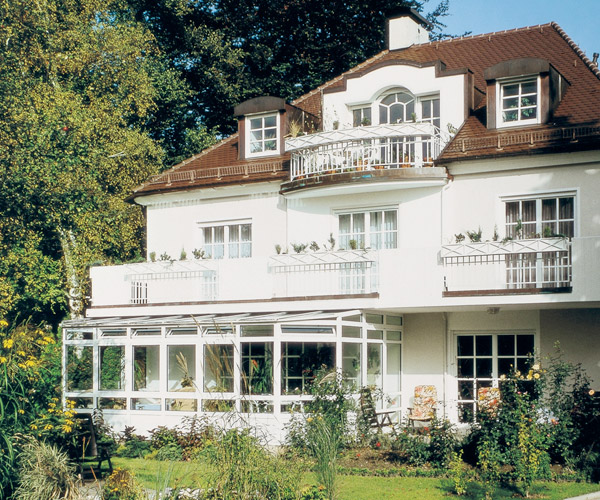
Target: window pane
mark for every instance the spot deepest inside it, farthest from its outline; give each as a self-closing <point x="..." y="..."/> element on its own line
<point x="301" y="362"/>
<point x="465" y="389"/>
<point x="351" y="363"/>
<point x="549" y="209"/>
<point x="255" y="123"/>
<point x="529" y="87"/>
<point x="218" y="368"/>
<point x="270" y="121"/>
<point x="524" y="345"/>
<point x="79" y="368"/>
<point x="182" y="368"/>
<point x="465" y="368"/>
<point x="483" y="368"/>
<point x="512" y="89"/>
<point x="374" y="365"/>
<point x="483" y="345"/>
<point x="351" y="331"/>
<point x="375" y="334"/>
<point x="506" y="345"/>
<point x="397" y="113"/>
<point x="146" y="368"/>
<point x="566" y="208"/>
<point x="465" y="345"/>
<point x="257" y="368"/>
<point x="506" y="366"/>
<point x="393" y="369"/>
<point x="112" y="368"/>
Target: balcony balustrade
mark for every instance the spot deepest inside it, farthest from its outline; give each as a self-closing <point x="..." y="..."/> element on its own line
<point x="290" y="275"/>
<point x="516" y="266"/>
<point x="379" y="147"/>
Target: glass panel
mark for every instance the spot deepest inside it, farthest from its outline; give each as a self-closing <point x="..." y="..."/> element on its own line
<point x="351" y="363"/>
<point x="465" y="345"/>
<point x="192" y="330"/>
<point x="301" y="362"/>
<point x="114" y="332"/>
<point x="389" y="99"/>
<point x="505" y="366"/>
<point x="81" y="403"/>
<point x="374" y="318"/>
<point x="112" y="403"/>
<point x="391" y="335"/>
<point x="257" y="368"/>
<point x="182" y="368"/>
<point x="218" y="368"/>
<point x="483" y="368"/>
<point x="112" y="368"/>
<point x="255" y="123"/>
<point x="146" y="367"/>
<point x="465" y="368"/>
<point x="511" y="103"/>
<point x="147" y="404"/>
<point x="256" y="330"/>
<point x="383" y="114"/>
<point x="307" y="329"/>
<point x="524" y="345"/>
<point x="351" y="331"/>
<point x="566" y="210"/>
<point x="404" y="97"/>
<point x="397" y="113"/>
<point x="483" y="345"/>
<point x="465" y="389"/>
<point x="375" y="334"/>
<point x="356" y="118"/>
<point x="181" y="404"/>
<point x="374" y="365"/>
<point x="510" y="116"/>
<point x="394" y="320"/>
<point x="506" y="345"/>
<point x="529" y="87"/>
<point x="252" y="406"/>
<point x="270" y="121"/>
<point x="393" y="368"/>
<point x="509" y="90"/>
<point x="147" y="331"/>
<point x="80" y="374"/>
<point x="78" y="335"/>
<point x="218" y="405"/>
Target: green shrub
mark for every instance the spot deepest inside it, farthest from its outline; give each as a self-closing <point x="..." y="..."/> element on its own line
<point x="170" y="453"/>
<point x="122" y="485"/>
<point x="244" y="469"/>
<point x="162" y="436"/>
<point x="457" y="471"/>
<point x="45" y="473"/>
<point x="134" y="448"/>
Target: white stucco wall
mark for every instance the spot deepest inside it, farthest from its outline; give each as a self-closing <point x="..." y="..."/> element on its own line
<point x="361" y="92"/>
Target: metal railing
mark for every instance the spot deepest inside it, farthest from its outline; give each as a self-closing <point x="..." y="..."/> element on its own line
<point x="543" y="263"/>
<point x="413" y="145"/>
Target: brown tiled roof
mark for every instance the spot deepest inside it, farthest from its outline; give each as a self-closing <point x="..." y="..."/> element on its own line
<point x="575" y="123"/>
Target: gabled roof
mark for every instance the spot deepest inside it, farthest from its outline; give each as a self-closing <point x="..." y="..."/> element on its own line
<point x="575" y="123"/>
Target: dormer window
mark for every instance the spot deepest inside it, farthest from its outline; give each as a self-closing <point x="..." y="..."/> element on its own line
<point x="262" y="137"/>
<point x="518" y="102"/>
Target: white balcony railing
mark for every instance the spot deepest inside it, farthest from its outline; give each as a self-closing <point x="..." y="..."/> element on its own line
<point x="168" y="282"/>
<point x="543" y="263"/>
<point x="402" y="145"/>
<point x="344" y="272"/>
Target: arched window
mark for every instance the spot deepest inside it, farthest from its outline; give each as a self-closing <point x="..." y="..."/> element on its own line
<point x="398" y="107"/>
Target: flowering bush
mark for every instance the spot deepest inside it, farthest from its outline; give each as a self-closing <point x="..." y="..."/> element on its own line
<point x="29" y="376"/>
<point x="122" y="485"/>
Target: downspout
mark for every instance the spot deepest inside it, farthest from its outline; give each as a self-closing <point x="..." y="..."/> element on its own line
<point x="444" y="314"/>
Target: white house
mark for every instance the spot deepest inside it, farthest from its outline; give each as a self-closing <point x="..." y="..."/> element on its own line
<point x="460" y="180"/>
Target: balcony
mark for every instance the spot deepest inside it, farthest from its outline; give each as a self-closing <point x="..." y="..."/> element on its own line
<point x="337" y="273"/>
<point x="514" y="267"/>
<point x="373" y="148"/>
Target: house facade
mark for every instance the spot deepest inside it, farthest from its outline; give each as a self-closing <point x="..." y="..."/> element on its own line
<point x="430" y="217"/>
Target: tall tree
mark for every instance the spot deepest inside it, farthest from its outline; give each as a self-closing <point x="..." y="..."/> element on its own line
<point x="231" y="50"/>
<point x="75" y="94"/>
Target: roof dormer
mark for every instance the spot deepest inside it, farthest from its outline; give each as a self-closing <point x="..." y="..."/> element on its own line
<point x="522" y="92"/>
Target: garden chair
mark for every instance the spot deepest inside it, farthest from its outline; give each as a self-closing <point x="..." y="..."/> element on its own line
<point x="488" y="400"/>
<point x="377" y="419"/>
<point x="424" y="402"/>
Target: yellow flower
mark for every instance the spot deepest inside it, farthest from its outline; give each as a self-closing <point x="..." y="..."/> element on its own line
<point x="3" y="323"/>
<point x="22" y="412"/>
<point x="48" y="427"/>
<point x="8" y="343"/>
<point x="309" y="420"/>
<point x="33" y="427"/>
<point x="3" y="359"/>
<point x="536" y="375"/>
<point x="21" y="353"/>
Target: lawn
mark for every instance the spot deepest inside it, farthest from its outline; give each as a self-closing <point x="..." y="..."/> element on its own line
<point x="352" y="487"/>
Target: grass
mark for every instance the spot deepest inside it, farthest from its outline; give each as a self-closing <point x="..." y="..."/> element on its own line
<point x="190" y="474"/>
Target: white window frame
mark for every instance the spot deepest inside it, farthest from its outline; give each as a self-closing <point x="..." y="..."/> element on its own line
<point x="362" y="110"/>
<point x="366" y="212"/>
<point x="227" y="242"/>
<point x="248" y="134"/>
<point x="500" y="84"/>
<point x="538" y="198"/>
<point x="495" y="378"/>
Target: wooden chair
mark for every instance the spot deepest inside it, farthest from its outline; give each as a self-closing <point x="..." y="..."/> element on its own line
<point x="377" y="419"/>
<point x="424" y="402"/>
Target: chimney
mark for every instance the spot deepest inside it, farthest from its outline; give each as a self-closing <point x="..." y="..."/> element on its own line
<point x="407" y="27"/>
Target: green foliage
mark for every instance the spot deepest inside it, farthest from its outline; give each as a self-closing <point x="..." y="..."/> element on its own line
<point x="458" y="473"/>
<point x="169" y="452"/>
<point x="122" y="485"/>
<point x="45" y="473"/>
<point x="136" y="447"/>
<point x="244" y="469"/>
